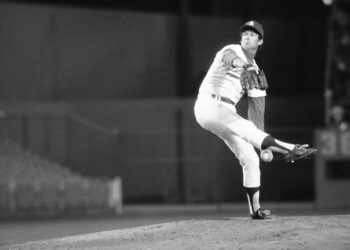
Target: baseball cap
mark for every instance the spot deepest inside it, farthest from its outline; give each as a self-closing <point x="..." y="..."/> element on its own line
<point x="253" y="25"/>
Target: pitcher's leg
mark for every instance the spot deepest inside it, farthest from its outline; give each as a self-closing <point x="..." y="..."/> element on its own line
<point x="261" y="140"/>
<point x="248" y="159"/>
<point x="249" y="162"/>
<point x="224" y="122"/>
<point x="276" y="145"/>
<point x="246" y="130"/>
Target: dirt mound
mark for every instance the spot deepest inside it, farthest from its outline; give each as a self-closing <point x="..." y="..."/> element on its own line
<point x="295" y="232"/>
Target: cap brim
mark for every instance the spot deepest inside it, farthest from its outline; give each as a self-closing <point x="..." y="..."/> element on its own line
<point x="248" y="27"/>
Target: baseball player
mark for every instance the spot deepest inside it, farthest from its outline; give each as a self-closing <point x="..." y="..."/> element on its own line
<point x="233" y="74"/>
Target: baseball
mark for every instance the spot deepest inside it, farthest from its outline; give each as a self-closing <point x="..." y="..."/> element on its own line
<point x="266" y="156"/>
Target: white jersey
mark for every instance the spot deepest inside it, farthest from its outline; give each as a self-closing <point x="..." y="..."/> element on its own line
<point x="224" y="81"/>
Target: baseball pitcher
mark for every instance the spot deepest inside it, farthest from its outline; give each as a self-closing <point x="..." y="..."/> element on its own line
<point x="234" y="73"/>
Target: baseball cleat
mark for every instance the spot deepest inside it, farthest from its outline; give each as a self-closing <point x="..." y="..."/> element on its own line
<point x="299" y="152"/>
<point x="261" y="214"/>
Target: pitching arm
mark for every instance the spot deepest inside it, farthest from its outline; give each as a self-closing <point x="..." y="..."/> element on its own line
<point x="231" y="59"/>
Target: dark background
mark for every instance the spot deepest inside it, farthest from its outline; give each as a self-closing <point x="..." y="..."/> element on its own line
<point x="69" y="50"/>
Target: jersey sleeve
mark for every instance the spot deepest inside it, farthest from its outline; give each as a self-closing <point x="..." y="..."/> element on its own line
<point x="256" y="111"/>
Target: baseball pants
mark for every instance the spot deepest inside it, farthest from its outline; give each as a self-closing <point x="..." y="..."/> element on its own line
<point x="239" y="134"/>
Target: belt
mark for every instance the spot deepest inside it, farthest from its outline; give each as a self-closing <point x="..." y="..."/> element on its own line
<point x="222" y="99"/>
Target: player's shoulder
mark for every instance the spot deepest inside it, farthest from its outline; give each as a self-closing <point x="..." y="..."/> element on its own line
<point x="234" y="47"/>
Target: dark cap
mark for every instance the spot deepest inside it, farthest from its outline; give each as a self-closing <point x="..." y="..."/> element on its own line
<point x="253" y="25"/>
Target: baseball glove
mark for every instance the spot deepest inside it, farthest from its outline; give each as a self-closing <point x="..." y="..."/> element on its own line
<point x="251" y="78"/>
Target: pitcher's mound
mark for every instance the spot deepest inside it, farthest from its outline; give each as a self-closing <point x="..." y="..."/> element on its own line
<point x="297" y="232"/>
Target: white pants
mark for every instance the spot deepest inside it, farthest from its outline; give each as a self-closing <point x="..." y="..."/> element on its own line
<point x="239" y="134"/>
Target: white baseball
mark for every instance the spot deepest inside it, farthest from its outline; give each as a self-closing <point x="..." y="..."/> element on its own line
<point x="266" y="155"/>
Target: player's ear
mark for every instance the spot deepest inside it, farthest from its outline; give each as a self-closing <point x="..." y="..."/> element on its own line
<point x="261" y="41"/>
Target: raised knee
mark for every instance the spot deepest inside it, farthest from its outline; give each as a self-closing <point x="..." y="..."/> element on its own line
<point x="249" y="160"/>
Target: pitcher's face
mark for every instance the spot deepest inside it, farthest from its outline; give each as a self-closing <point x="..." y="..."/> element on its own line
<point x="250" y="40"/>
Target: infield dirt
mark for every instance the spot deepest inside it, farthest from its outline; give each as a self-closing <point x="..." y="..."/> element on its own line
<point x="294" y="232"/>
